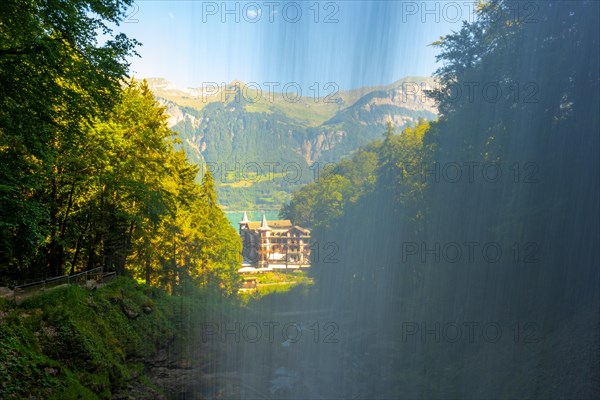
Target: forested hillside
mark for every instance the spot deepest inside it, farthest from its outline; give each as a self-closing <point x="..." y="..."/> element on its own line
<point x="454" y="240"/>
<point x="487" y="216"/>
<point x="263" y="146"/>
<point x="89" y="174"/>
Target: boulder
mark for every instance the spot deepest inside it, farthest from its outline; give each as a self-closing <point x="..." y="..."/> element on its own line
<point x="91" y="284"/>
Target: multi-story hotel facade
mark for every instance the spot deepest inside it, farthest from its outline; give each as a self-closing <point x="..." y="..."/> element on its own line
<point x="274" y="244"/>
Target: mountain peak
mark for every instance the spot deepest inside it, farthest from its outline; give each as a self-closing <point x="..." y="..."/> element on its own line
<point x="237" y="82"/>
<point x="306" y="110"/>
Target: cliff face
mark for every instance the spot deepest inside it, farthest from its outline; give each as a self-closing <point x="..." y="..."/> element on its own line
<point x="240" y="130"/>
<point x="233" y="125"/>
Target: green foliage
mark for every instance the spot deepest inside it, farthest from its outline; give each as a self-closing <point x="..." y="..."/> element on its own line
<point x="318" y="204"/>
<point x="236" y="138"/>
<point x="555" y="208"/>
<point x="121" y="197"/>
<point x="72" y="343"/>
<point x="54" y="76"/>
<point x="90" y="176"/>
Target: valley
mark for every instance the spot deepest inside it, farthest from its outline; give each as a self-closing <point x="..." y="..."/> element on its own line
<point x="263" y="145"/>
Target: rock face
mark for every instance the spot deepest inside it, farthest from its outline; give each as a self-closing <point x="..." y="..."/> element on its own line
<point x="238" y="133"/>
<point x="173" y="375"/>
<point x="234" y="127"/>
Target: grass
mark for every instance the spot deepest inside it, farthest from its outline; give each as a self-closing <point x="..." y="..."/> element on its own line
<point x="276" y="282"/>
<point x="73" y="343"/>
<point x="300" y="277"/>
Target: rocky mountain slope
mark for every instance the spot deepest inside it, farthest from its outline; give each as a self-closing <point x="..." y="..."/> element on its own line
<point x="247" y="131"/>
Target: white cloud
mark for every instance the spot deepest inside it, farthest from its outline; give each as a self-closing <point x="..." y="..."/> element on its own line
<point x="252" y="13"/>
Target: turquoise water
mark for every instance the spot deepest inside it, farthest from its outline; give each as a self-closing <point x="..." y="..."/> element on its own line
<point x="236" y="216"/>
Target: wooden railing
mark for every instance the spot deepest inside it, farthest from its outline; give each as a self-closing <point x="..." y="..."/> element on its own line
<point x="23" y="291"/>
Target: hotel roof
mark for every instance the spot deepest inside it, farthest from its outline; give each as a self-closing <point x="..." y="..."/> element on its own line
<point x="277" y="224"/>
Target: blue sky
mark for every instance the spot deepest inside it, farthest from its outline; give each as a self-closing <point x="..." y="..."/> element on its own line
<point x="349" y="43"/>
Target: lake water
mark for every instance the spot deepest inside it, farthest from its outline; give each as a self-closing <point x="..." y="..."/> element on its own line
<point x="256" y="215"/>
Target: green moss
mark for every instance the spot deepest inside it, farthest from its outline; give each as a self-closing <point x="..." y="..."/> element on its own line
<point x="73" y="343"/>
